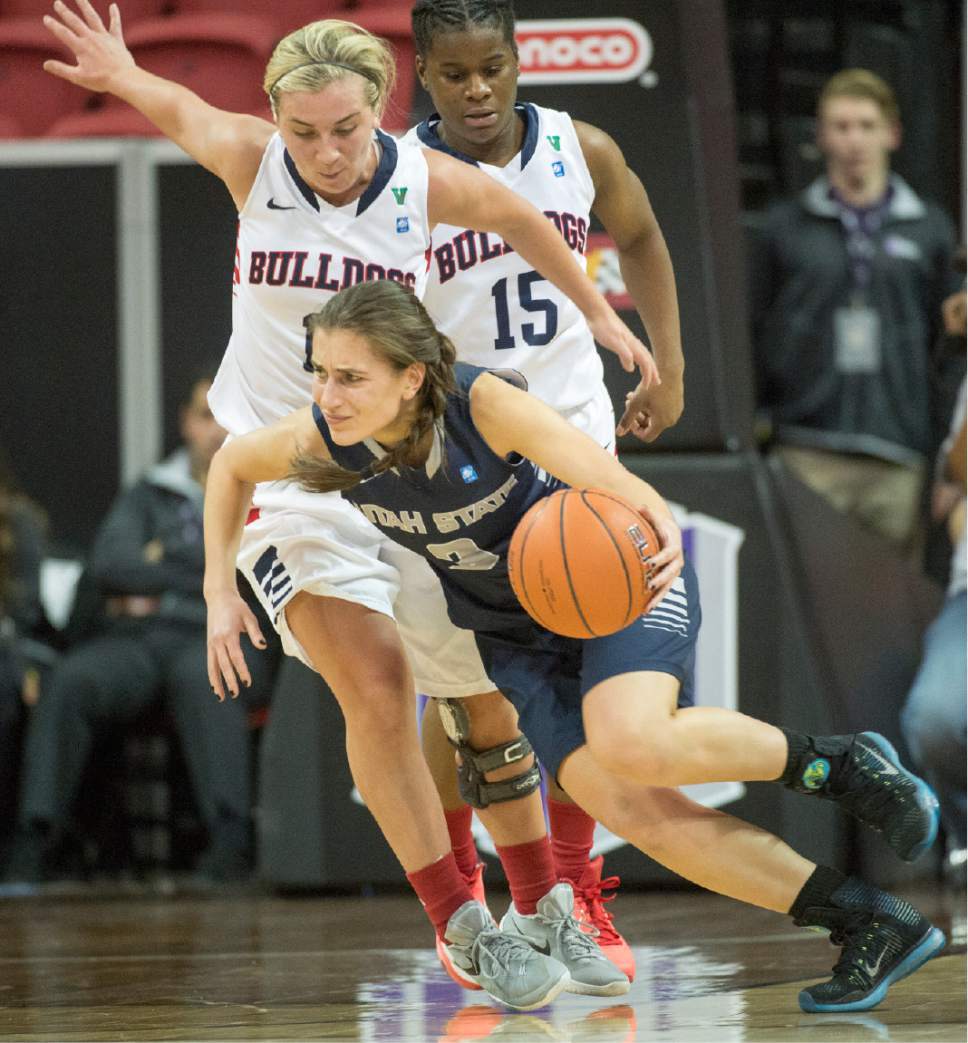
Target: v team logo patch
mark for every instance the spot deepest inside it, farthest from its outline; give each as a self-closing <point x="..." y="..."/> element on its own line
<point x="555" y="141"/>
<point x="399" y="194"/>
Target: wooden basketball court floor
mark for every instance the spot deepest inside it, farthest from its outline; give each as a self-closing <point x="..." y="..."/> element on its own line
<point x="100" y="965"/>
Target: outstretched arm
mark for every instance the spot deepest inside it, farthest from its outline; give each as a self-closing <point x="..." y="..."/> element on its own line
<point x="264" y="455"/>
<point x="228" y="144"/>
<point x="512" y="421"/>
<point x="623" y="207"/>
<point x="464" y="196"/>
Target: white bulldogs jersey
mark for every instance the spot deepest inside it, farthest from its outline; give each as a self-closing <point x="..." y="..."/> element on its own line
<point x="294" y="250"/>
<point x="498" y="311"/>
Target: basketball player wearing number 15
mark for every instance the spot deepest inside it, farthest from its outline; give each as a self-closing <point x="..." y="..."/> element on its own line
<point x="500" y="313"/>
<point x="425" y="448"/>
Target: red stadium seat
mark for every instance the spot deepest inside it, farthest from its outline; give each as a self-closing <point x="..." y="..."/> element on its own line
<point x="386" y="18"/>
<point x="119" y="121"/>
<point x="220" y="57"/>
<point x="392" y="22"/>
<point x="28" y="94"/>
<point x="286" y="14"/>
<point x="10" y="128"/>
<point x="131" y="10"/>
<point x="291" y="14"/>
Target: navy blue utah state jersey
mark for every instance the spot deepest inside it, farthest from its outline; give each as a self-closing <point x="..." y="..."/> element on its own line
<point x="458" y="511"/>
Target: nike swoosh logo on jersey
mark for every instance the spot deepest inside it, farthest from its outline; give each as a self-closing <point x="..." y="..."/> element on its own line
<point x="273" y="205"/>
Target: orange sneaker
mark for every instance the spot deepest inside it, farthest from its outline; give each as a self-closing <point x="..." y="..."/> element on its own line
<point x="596" y="920"/>
<point x="476" y="884"/>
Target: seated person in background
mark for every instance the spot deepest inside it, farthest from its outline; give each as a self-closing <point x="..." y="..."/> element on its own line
<point x="22" y="538"/>
<point x="846" y="287"/>
<point x="147" y="563"/>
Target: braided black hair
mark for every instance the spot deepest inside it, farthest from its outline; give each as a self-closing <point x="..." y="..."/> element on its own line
<point x="430" y="17"/>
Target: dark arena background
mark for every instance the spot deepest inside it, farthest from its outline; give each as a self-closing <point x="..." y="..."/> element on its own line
<point x="116" y="274"/>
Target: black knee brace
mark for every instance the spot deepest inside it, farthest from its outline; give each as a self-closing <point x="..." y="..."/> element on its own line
<point x="474" y="788"/>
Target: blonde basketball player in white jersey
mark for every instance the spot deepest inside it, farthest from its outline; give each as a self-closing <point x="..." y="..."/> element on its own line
<point x="325" y="200"/>
<point x="502" y="314"/>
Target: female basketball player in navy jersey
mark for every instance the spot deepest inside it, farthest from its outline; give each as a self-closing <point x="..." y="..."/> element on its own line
<point x="326" y="199"/>
<point x="416" y="442"/>
<point x="502" y="315"/>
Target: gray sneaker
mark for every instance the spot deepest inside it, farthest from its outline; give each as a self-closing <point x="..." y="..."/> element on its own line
<point x="554" y="930"/>
<point x="506" y="967"/>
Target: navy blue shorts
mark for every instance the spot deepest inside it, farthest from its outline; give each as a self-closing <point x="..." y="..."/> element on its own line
<point x="546" y="676"/>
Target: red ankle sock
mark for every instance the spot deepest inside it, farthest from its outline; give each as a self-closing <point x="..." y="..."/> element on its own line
<point x="572" y="833"/>
<point x="442" y="890"/>
<point x="530" y="869"/>
<point x="462" y="839"/>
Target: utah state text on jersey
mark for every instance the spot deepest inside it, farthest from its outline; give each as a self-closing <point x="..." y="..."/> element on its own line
<point x="444" y="521"/>
<point x="470" y="248"/>
<point x="289" y="268"/>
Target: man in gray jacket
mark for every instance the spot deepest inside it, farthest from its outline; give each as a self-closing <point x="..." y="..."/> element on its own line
<point x="846" y="287"/>
<point x="147" y="564"/>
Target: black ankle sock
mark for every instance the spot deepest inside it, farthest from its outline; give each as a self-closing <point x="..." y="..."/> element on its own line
<point x="813" y="760"/>
<point x="820" y="885"/>
<point x="797" y="746"/>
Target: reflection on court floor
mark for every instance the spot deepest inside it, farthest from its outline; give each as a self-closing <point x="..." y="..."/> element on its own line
<point x="675" y="988"/>
<point x="97" y="965"/>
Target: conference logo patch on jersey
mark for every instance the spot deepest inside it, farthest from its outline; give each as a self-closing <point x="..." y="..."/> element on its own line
<point x="559" y="168"/>
<point x="468" y="473"/>
<point x="555" y="141"/>
<point x="403" y="224"/>
<point x="399" y="194"/>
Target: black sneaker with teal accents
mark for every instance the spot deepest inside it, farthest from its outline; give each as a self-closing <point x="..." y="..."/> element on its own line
<point x="864" y="775"/>
<point x="883" y="939"/>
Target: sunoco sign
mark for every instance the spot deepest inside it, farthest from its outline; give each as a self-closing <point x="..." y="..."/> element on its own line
<point x="582" y="50"/>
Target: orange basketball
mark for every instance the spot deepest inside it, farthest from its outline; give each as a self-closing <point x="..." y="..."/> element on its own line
<point x="577" y="562"/>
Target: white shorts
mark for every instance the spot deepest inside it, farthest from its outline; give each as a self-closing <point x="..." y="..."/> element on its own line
<point x="596" y="418"/>
<point x="296" y="540"/>
<point x="322" y="544"/>
<point x="443" y="657"/>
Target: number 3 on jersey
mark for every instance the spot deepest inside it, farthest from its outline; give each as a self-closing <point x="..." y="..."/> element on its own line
<point x="530" y="332"/>
<point x="464" y="555"/>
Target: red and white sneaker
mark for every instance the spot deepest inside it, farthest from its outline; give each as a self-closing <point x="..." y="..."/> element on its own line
<point x="476" y="883"/>
<point x="596" y="920"/>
